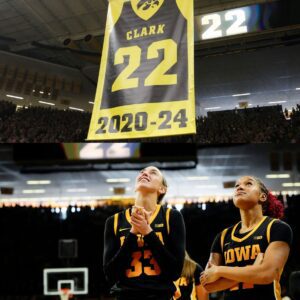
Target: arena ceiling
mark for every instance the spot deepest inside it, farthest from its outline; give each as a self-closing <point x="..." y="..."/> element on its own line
<point x="216" y="170"/>
<point x="47" y="29"/>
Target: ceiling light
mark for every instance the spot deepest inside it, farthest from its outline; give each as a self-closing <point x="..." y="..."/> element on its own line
<point x="290" y="184"/>
<point x="76" y="190"/>
<point x="32" y="182"/>
<point x="15" y="97"/>
<point x="47" y="103"/>
<point x="276" y="102"/>
<point x="211" y="108"/>
<point x="75" y="108"/>
<point x="273" y="176"/>
<point x="241" y="95"/>
<point x="117" y="180"/>
<point x="298" y="89"/>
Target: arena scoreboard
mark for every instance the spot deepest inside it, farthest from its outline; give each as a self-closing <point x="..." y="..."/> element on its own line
<point x="247" y="19"/>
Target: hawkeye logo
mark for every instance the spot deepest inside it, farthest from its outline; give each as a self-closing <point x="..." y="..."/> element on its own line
<point x="145" y="9"/>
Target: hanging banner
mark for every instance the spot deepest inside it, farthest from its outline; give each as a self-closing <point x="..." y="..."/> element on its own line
<point x="146" y="79"/>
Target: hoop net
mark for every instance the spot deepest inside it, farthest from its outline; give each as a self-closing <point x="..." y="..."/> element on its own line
<point x="65" y="294"/>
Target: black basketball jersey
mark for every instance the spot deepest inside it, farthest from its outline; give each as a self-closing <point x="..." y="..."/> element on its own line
<point x="241" y="250"/>
<point x="137" y="47"/>
<point x="143" y="271"/>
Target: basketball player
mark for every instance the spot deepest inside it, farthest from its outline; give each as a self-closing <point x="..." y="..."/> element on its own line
<point x="259" y="236"/>
<point x="144" y="246"/>
<point x="188" y="285"/>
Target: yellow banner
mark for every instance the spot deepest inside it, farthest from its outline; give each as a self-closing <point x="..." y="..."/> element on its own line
<point x="146" y="78"/>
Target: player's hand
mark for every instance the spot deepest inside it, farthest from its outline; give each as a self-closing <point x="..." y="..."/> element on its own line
<point x="138" y="210"/>
<point x="133" y="229"/>
<point x="209" y="265"/>
<point x="209" y="275"/>
<point x="140" y="222"/>
<point x="142" y="211"/>
<point x="147" y="215"/>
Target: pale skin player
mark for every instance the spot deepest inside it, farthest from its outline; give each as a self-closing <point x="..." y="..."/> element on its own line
<point x="143" y="262"/>
<point x="148" y="187"/>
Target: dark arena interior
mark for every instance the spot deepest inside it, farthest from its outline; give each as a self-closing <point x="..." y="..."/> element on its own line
<point x="54" y="204"/>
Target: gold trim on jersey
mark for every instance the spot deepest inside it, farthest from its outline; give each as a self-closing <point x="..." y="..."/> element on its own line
<point x="223" y="238"/>
<point x="277" y="287"/>
<point x="127" y="215"/>
<point x="277" y="290"/>
<point x="158" y="206"/>
<point x="116" y="217"/>
<point x="234" y="238"/>
<point x="168" y="219"/>
<point x="269" y="230"/>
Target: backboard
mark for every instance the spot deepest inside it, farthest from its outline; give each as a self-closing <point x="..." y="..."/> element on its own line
<point x="74" y="279"/>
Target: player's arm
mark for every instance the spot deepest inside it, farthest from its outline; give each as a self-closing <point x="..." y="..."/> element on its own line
<point x="270" y="269"/>
<point x="220" y="284"/>
<point x="170" y="256"/>
<point x="267" y="271"/>
<point x="115" y="258"/>
<point x="201" y="293"/>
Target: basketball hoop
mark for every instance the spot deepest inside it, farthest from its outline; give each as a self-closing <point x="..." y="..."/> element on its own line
<point x="65" y="294"/>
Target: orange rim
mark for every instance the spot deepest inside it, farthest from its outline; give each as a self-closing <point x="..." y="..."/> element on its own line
<point x="65" y="291"/>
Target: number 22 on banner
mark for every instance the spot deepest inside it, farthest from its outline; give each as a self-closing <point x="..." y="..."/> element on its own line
<point x="157" y="76"/>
